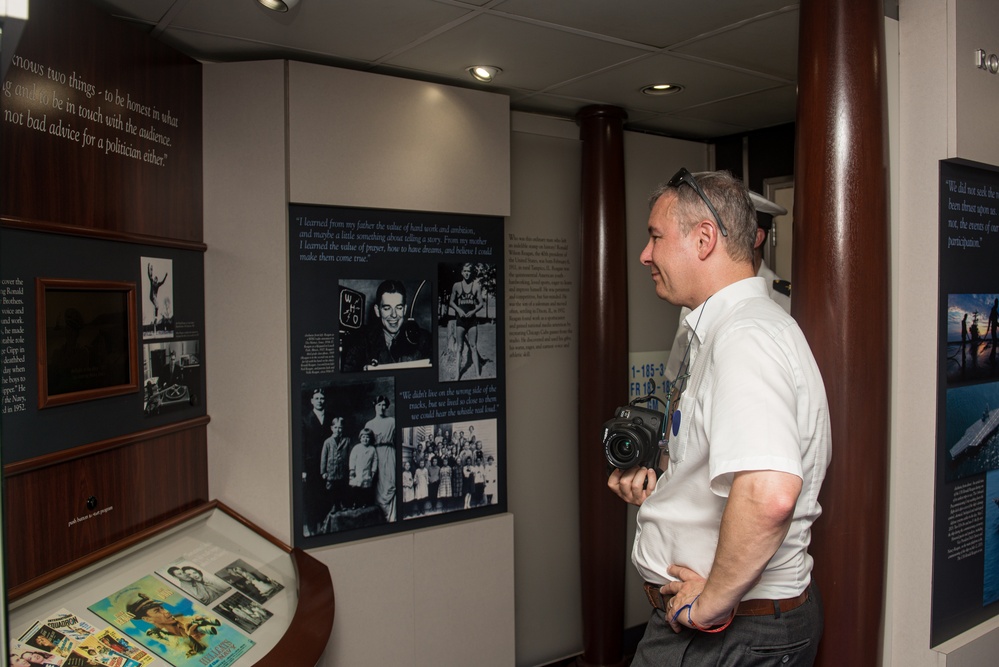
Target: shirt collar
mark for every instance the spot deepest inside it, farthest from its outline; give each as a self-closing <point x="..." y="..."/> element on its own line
<point x="701" y="319"/>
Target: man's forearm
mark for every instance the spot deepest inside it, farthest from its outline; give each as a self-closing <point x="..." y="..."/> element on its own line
<point x="756" y="519"/>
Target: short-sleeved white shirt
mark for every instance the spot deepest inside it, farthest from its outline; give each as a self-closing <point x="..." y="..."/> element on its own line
<point x="754" y="401"/>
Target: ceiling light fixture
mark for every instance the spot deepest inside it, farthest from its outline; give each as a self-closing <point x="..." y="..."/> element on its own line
<point x="662" y="89"/>
<point x="483" y="73"/>
<point x="278" y="5"/>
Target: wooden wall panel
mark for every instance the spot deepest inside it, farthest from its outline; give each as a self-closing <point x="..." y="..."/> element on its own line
<point x="135" y="486"/>
<point x="79" y="74"/>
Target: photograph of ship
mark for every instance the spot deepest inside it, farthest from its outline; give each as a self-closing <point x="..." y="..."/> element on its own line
<point x="972" y="336"/>
<point x="971" y="440"/>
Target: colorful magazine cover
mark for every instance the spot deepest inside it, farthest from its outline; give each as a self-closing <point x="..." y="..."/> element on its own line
<point x="23" y="655"/>
<point x="191" y="580"/>
<point x="172" y="626"/>
<point x="97" y="653"/>
<point x="43" y="637"/>
<point x="70" y="625"/>
<point x="122" y="644"/>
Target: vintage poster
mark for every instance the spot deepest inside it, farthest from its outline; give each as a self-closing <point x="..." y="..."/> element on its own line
<point x="398" y="374"/>
<point x="966" y="521"/>
<point x="171" y="626"/>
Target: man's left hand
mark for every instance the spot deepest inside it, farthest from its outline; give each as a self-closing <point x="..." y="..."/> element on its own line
<point x="688" y="591"/>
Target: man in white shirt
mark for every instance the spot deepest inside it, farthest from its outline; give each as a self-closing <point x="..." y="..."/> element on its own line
<point x="722" y="535"/>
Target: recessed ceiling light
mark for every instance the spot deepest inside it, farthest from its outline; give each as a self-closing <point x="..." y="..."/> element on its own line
<point x="278" y="5"/>
<point x="484" y="73"/>
<point x="662" y="89"/>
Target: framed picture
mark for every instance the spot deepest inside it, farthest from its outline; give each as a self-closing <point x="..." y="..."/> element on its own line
<point x="87" y="340"/>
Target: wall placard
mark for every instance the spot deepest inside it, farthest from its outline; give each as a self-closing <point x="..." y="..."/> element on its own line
<point x="397" y="368"/>
<point x="966" y="521"/>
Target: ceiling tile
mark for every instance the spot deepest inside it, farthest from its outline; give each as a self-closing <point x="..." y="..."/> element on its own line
<point x="702" y="83"/>
<point x="769" y="45"/>
<point x="758" y="110"/>
<point x="657" y="23"/>
<point x="530" y="56"/>
<point x="355" y="29"/>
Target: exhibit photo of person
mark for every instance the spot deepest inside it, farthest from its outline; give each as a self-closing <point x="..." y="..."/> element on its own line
<point x="157" y="302"/>
<point x="972" y="337"/>
<point x="22" y="655"/>
<point x="467" y="321"/>
<point x="971" y="437"/>
<point x="193" y="581"/>
<point x="349" y="475"/>
<point x="394" y="332"/>
<point x="171" y="376"/>
<point x="449" y="467"/>
<point x="47" y="639"/>
<point x="250" y="581"/>
<point x="243" y="612"/>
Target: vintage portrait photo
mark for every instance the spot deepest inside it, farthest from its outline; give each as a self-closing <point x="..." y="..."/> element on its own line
<point x="243" y="612"/>
<point x="171" y="376"/>
<point x="157" y="301"/>
<point x="467" y="321"/>
<point x="250" y="581"/>
<point x="448" y="467"/>
<point x="191" y="580"/>
<point x="349" y="456"/>
<point x="385" y="324"/>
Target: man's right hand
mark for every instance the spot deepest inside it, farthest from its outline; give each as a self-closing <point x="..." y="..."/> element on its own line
<point x="633" y="485"/>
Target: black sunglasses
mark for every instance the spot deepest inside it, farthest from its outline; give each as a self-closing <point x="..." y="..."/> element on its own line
<point x="684" y="176"/>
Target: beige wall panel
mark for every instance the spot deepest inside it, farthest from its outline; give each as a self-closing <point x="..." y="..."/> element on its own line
<point x="360" y="139"/>
<point x="977" y="28"/>
<point x="246" y="291"/>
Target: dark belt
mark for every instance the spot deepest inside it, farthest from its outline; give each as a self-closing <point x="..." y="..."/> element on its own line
<point x="745" y="608"/>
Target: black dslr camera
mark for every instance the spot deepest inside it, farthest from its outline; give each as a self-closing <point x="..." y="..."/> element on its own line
<point x="634" y="436"/>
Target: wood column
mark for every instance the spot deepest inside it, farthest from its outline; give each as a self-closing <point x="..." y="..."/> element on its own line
<point x="841" y="300"/>
<point x="603" y="379"/>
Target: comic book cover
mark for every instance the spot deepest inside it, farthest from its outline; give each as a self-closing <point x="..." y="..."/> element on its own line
<point x="47" y="639"/>
<point x="98" y="654"/>
<point x="176" y="629"/>
<point x="118" y="642"/>
<point x="22" y="654"/>
<point x="70" y="625"/>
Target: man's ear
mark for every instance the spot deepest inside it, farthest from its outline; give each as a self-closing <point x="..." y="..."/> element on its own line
<point x="760" y="235"/>
<point x="706" y="237"/>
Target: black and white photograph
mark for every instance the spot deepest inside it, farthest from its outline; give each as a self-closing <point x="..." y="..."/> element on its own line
<point x="349" y="456"/>
<point x="449" y="467"/>
<point x="171" y="376"/>
<point x="250" y="581"/>
<point x="192" y="580"/>
<point x="242" y="612"/>
<point x="467" y="321"/>
<point x="385" y="324"/>
<point x="157" y="299"/>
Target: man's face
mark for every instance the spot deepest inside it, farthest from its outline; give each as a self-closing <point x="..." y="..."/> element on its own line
<point x="318" y="401"/>
<point x="391" y="311"/>
<point x="667" y="252"/>
<point x="158" y="616"/>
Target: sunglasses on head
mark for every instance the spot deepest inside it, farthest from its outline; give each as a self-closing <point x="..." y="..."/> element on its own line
<point x="684" y="176"/>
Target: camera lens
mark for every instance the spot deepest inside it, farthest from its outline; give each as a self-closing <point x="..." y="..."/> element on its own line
<point x="623" y="447"/>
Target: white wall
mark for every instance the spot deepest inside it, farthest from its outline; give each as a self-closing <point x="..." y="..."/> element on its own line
<point x="276" y="133"/>
<point x="940" y="101"/>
